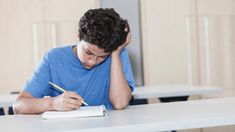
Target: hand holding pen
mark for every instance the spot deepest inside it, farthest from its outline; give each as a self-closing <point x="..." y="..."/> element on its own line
<point x="67" y="100"/>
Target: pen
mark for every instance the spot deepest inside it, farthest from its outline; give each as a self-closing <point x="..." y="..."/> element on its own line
<point x="61" y="89"/>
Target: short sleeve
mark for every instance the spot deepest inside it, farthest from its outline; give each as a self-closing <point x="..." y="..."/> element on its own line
<point x="37" y="85"/>
<point x="127" y="69"/>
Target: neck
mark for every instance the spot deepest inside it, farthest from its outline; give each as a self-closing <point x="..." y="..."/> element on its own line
<point x="75" y="51"/>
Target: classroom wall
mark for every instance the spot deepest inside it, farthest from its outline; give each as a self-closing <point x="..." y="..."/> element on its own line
<point x="165" y="41"/>
<point x="170" y="26"/>
<point x="19" y="20"/>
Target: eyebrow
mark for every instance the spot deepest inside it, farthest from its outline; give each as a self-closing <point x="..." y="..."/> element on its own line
<point x="94" y="54"/>
<point x="89" y="51"/>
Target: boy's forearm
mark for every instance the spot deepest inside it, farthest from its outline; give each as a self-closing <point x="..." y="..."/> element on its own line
<point x="32" y="105"/>
<point x="120" y="92"/>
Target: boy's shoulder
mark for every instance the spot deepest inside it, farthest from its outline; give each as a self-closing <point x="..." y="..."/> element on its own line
<point x="58" y="51"/>
<point x="65" y="48"/>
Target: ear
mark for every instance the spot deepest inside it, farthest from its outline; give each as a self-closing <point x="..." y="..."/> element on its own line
<point x="78" y="36"/>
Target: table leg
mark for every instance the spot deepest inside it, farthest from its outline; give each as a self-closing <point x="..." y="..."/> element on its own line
<point x="2" y="111"/>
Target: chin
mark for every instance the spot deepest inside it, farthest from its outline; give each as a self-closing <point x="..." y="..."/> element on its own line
<point x="88" y="67"/>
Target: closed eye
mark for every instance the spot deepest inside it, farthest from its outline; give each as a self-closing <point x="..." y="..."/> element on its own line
<point x="103" y="56"/>
<point x="88" y="52"/>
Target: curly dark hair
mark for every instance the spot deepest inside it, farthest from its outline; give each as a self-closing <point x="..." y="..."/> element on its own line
<point x="103" y="28"/>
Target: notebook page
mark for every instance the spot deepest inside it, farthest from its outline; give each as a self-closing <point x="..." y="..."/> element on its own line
<point x="90" y="111"/>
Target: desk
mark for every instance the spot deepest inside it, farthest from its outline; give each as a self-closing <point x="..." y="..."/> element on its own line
<point x="152" y="117"/>
<point x="144" y="92"/>
<point x="165" y="91"/>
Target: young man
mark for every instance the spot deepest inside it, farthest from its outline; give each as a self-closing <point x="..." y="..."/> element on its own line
<point x="97" y="70"/>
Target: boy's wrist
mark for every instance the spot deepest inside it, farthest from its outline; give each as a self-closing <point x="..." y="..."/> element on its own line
<point x="49" y="104"/>
<point x="115" y="53"/>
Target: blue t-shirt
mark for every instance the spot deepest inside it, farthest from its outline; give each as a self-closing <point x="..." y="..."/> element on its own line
<point x="62" y="67"/>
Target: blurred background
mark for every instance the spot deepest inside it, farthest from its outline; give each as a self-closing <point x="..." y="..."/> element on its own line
<point x="174" y="41"/>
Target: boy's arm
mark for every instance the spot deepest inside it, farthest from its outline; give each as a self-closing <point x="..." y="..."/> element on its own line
<point x="120" y="92"/>
<point x="27" y="104"/>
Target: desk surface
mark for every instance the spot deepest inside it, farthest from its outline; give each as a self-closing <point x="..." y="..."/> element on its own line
<point x="152" y="117"/>
<point x="173" y="91"/>
<point x="144" y="92"/>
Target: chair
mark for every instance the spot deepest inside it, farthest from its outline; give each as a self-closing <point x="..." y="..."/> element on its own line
<point x="2" y="112"/>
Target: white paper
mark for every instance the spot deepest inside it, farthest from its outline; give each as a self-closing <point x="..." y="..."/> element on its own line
<point x="85" y="111"/>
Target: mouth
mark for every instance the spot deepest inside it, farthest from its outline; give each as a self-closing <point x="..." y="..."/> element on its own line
<point x="87" y="67"/>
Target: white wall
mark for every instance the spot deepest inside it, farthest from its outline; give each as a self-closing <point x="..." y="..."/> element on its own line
<point x="17" y="53"/>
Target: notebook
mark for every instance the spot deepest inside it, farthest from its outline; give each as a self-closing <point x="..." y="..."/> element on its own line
<point x="84" y="111"/>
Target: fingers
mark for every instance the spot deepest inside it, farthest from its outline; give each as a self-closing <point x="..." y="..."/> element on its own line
<point x="73" y="100"/>
<point x="69" y="106"/>
<point x="74" y="95"/>
<point x="128" y="38"/>
<point x="73" y="103"/>
<point x="67" y="101"/>
<point x="127" y="29"/>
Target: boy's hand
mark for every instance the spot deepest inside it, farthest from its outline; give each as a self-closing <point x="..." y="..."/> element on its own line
<point x="67" y="101"/>
<point x="128" y="40"/>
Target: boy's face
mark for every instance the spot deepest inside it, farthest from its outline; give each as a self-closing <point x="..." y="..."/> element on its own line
<point x="90" y="55"/>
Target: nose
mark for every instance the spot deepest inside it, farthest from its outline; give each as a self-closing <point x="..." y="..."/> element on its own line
<point x="92" y="61"/>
